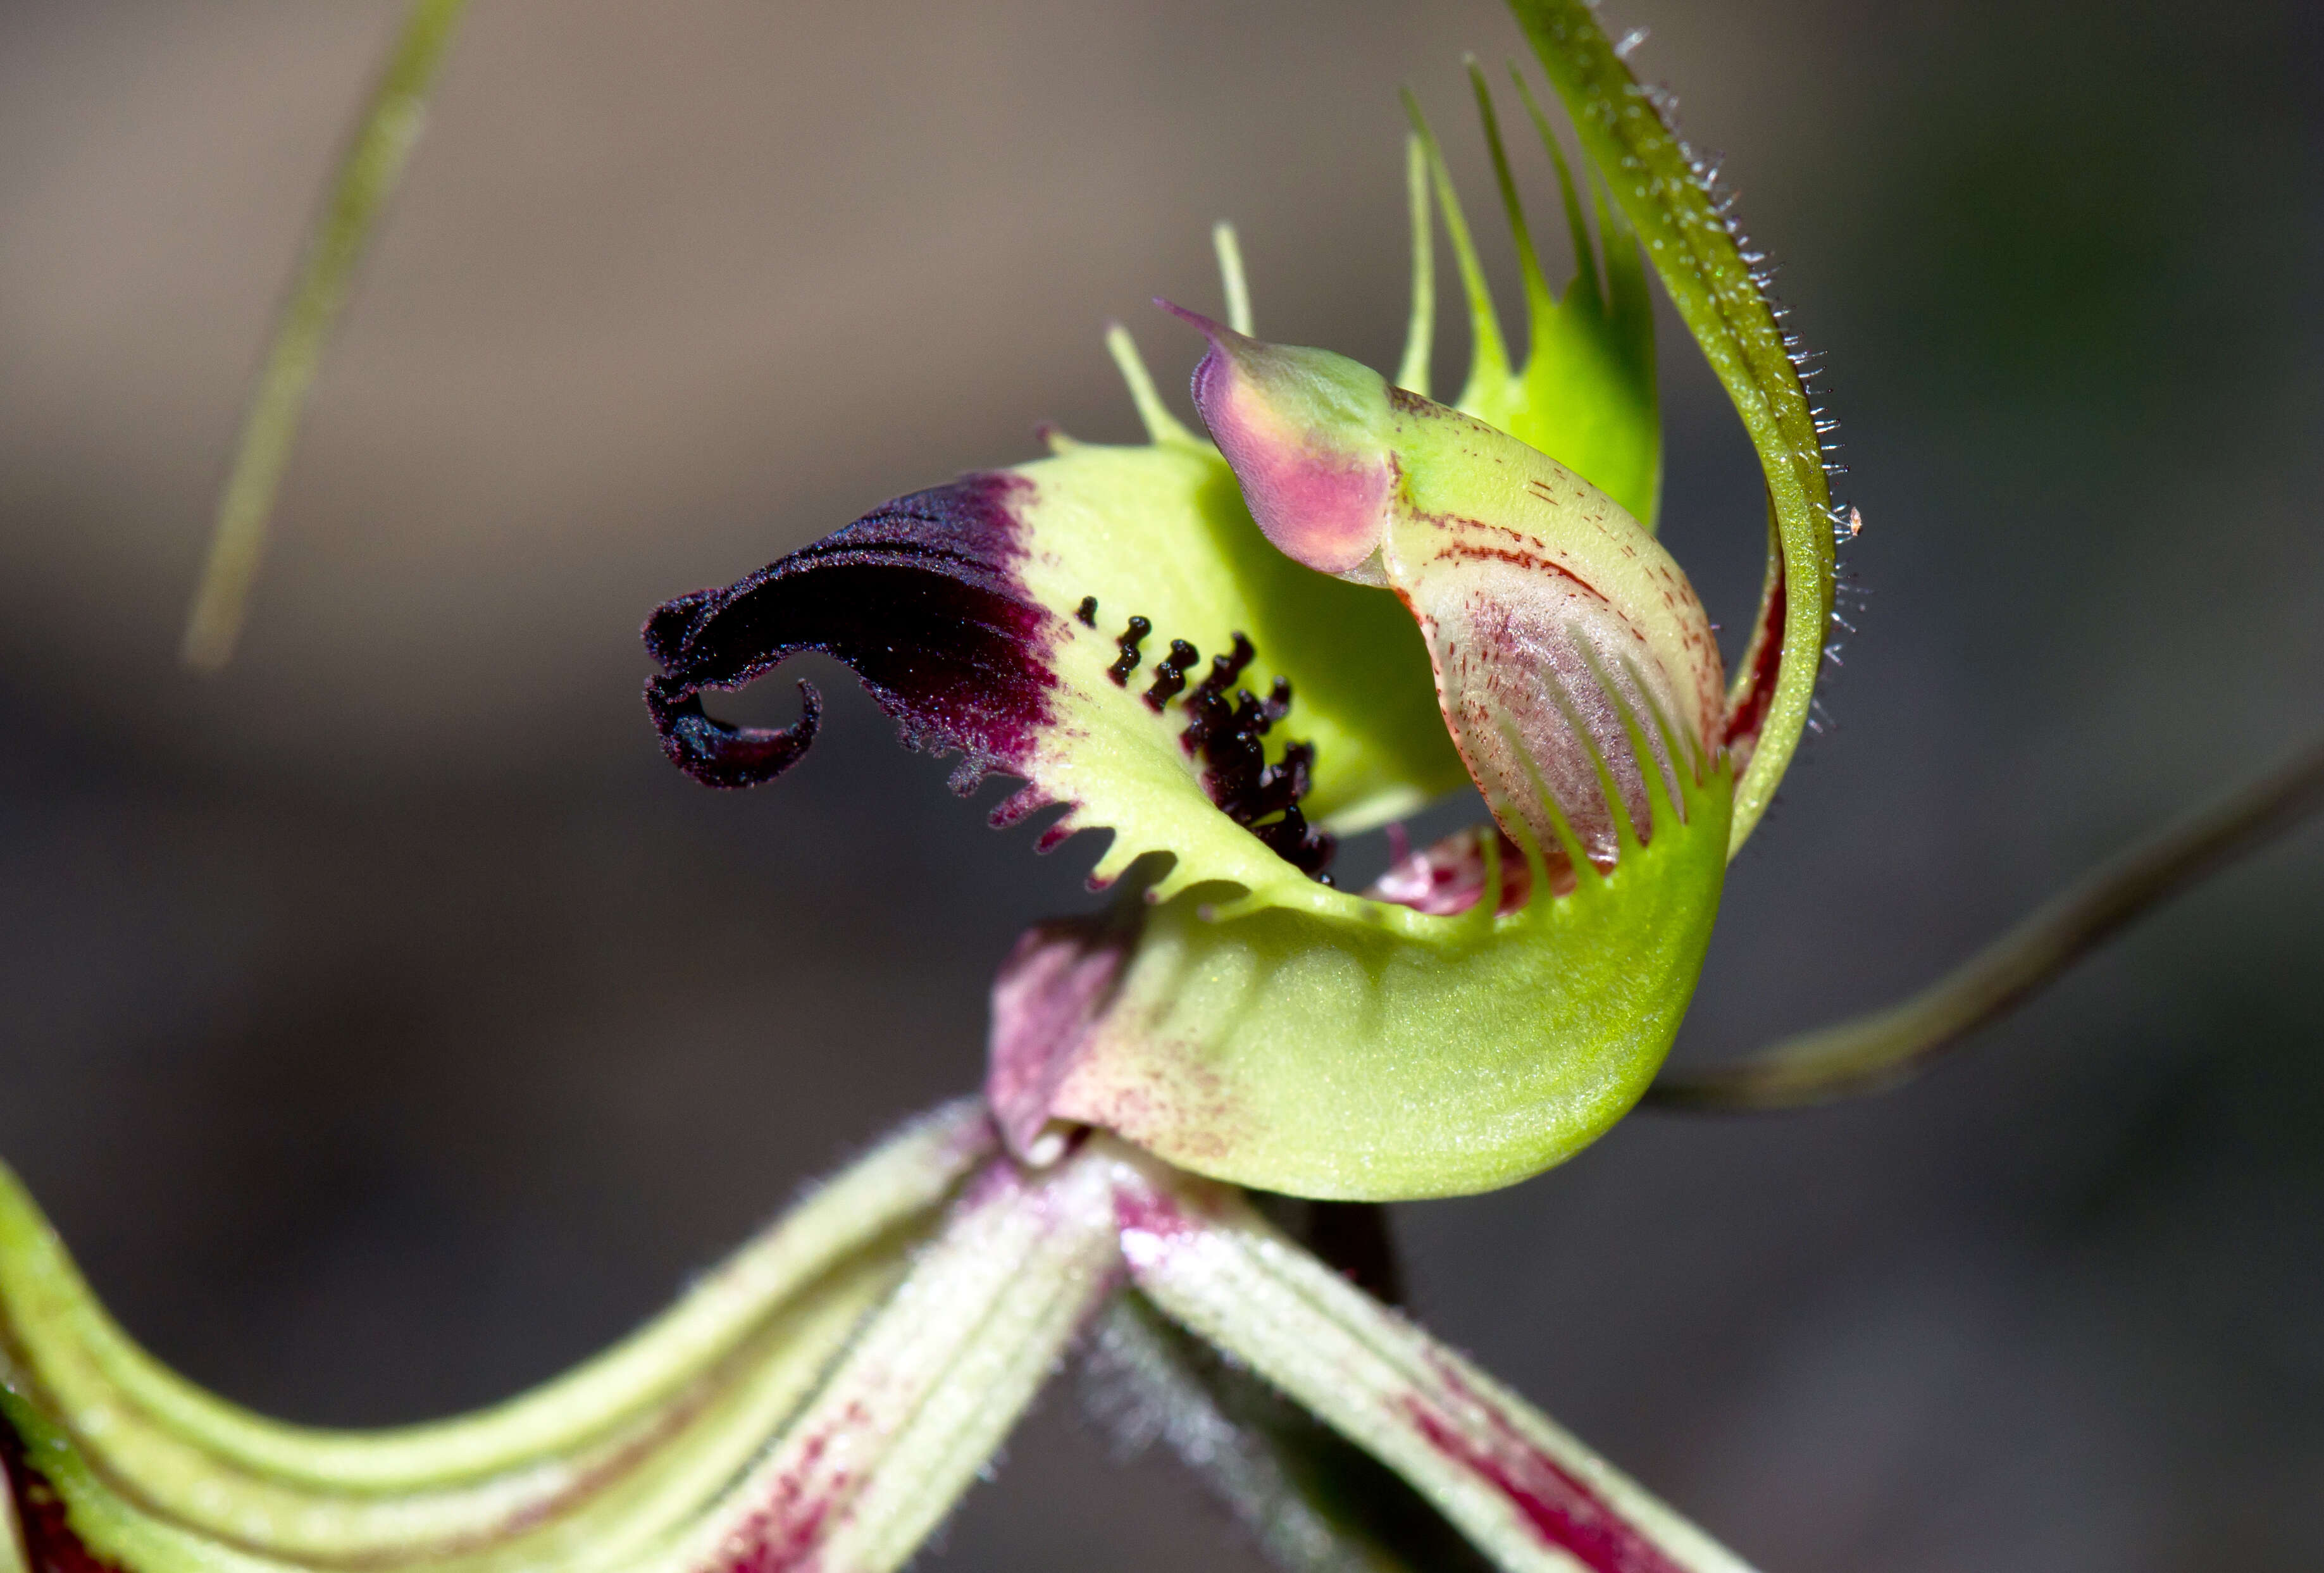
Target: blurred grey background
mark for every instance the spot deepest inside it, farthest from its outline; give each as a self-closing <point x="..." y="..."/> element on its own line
<point x="387" y="1026"/>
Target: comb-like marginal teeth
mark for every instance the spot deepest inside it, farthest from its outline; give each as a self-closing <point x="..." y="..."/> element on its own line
<point x="1488" y="355"/>
<point x="1232" y="280"/>
<point x="1539" y="302"/>
<point x="1560" y="828"/>
<point x="1585" y="255"/>
<point x="1609" y="792"/>
<point x="1653" y="754"/>
<point x="1681" y="763"/>
<point x="1420" y="334"/>
<point x="1162" y="427"/>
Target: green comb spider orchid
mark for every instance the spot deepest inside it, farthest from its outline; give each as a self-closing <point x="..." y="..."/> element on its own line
<point x="1226" y="655"/>
<point x="1226" y="651"/>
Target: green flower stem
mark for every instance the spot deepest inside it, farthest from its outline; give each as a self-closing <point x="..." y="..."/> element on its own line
<point x="367" y="177"/>
<point x="1703" y="268"/>
<point x="1876" y="1052"/>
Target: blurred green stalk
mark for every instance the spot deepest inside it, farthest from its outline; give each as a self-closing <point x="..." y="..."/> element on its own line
<point x="367" y="177"/>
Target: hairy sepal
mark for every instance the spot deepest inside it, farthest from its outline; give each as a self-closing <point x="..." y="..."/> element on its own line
<point x="1524" y="1490"/>
<point x="1699" y="252"/>
<point x="116" y="1457"/>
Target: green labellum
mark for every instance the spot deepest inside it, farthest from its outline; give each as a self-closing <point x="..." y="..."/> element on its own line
<point x="1469" y="1030"/>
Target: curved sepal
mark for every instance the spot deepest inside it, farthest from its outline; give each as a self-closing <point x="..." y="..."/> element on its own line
<point x="121" y="1460"/>
<point x="836" y="1436"/>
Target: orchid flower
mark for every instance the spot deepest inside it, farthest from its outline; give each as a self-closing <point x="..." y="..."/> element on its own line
<point x="1226" y="651"/>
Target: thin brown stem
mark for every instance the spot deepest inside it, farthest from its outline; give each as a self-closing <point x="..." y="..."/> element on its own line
<point x="1875" y="1052"/>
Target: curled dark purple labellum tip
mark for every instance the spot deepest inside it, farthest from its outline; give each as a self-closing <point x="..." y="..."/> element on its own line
<point x="717" y="754"/>
<point x="921" y="597"/>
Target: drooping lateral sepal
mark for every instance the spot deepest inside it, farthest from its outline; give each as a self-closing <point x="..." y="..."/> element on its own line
<point x="127" y="1465"/>
<point x="1529" y="1495"/>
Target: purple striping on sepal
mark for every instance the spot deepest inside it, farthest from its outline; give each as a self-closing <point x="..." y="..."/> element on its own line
<point x="788" y="1535"/>
<point x="1558" y="1506"/>
<point x="920" y="597"/>
<point x="50" y="1545"/>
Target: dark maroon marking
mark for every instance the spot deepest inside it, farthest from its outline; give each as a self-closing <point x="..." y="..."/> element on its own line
<point x="50" y="1546"/>
<point x="1555" y="1504"/>
<point x="1532" y="562"/>
<point x="1747" y="713"/>
<point x="1225" y="670"/>
<point x="719" y="755"/>
<point x="920" y="597"/>
<point x="1228" y="738"/>
<point x="787" y="1534"/>
<point x="1278" y="700"/>
<point x="1087" y="611"/>
<point x="1170" y="673"/>
<point x="1127" y="662"/>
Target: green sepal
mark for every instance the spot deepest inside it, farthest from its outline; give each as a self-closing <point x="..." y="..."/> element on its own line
<point x="156" y="1475"/>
